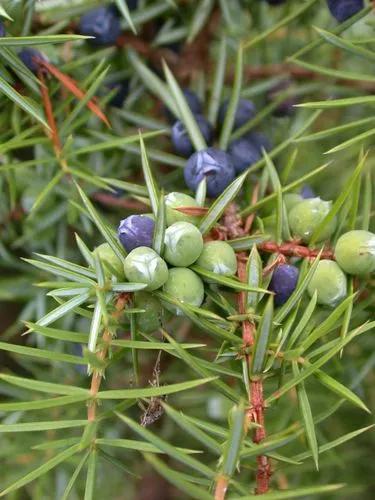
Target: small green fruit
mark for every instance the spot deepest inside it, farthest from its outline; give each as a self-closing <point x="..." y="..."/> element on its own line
<point x="355" y="252"/>
<point x="306" y="216"/>
<point x="143" y="265"/>
<point x="150" y="320"/>
<point x="178" y="200"/>
<point x="330" y="283"/>
<point x="183" y="244"/>
<point x="183" y="284"/>
<point x="218" y="257"/>
<point x="291" y="200"/>
<point x="112" y="264"/>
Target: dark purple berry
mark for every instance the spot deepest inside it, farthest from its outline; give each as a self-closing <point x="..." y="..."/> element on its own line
<point x="245" y="111"/>
<point x="283" y="282"/>
<point x="260" y="140"/>
<point x="2" y="29"/>
<point x="136" y="231"/>
<point x="243" y="153"/>
<point x="343" y="9"/>
<point x="122" y="89"/>
<point x="215" y="165"/>
<point x="193" y="101"/>
<point x="275" y="2"/>
<point x="307" y="192"/>
<point x="101" y="23"/>
<point x="181" y="140"/>
<point x="29" y="58"/>
<point x="286" y="107"/>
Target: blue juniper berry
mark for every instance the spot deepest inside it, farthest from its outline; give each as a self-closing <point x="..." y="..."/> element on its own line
<point x="343" y="9"/>
<point x="283" y="282"/>
<point x="122" y="89"/>
<point x="307" y="192"/>
<point x="194" y="103"/>
<point x="101" y="23"/>
<point x="244" y="152"/>
<point x="29" y="58"/>
<point x="245" y="111"/>
<point x="260" y="140"/>
<point x="286" y="107"/>
<point x="215" y="165"/>
<point x="181" y="140"/>
<point x="136" y="231"/>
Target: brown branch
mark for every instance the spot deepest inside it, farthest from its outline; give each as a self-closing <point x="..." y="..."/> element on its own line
<point x="293" y="249"/>
<point x="97" y="375"/>
<point x="113" y="201"/>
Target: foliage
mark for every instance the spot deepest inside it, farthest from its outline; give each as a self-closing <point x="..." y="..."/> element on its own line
<point x="224" y="396"/>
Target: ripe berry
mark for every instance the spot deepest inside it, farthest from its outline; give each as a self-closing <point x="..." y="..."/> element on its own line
<point x="343" y="9"/>
<point x="245" y="111"/>
<point x="183" y="244"/>
<point x="111" y="263"/>
<point x="213" y="164"/>
<point x="181" y="140"/>
<point x="306" y="216"/>
<point x="144" y="265"/>
<point x="330" y="283"/>
<point x="122" y="89"/>
<point x="283" y="282"/>
<point x="260" y="140"/>
<point x="101" y="23"/>
<point x="218" y="257"/>
<point x="136" y="231"/>
<point x="185" y="285"/>
<point x="150" y="320"/>
<point x="307" y="192"/>
<point x="29" y="58"/>
<point x="243" y="153"/>
<point x="193" y="101"/>
<point x="286" y="107"/>
<point x="275" y="2"/>
<point x="355" y="252"/>
<point x="178" y="200"/>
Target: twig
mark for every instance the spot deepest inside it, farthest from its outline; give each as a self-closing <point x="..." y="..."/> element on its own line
<point x="294" y="249"/>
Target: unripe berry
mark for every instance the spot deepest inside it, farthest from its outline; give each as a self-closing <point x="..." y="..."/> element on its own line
<point x="183" y="244"/>
<point x="150" y="320"/>
<point x="181" y="140"/>
<point x="185" y="285"/>
<point x="218" y="257"/>
<point x="136" y="231"/>
<point x="111" y="263"/>
<point x="355" y="252"/>
<point x="291" y="200"/>
<point x="178" y="200"/>
<point x="101" y="23"/>
<point x="283" y="282"/>
<point x="306" y="216"/>
<point x="243" y="153"/>
<point x="330" y="283"/>
<point x="343" y="9"/>
<point x="245" y="112"/>
<point x="144" y="265"/>
<point x="213" y="164"/>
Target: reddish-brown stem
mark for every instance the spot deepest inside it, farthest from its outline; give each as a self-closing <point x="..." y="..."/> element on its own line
<point x="53" y="133"/>
<point x="97" y="375"/>
<point x="292" y="249"/>
<point x="221" y="487"/>
<point x="113" y="201"/>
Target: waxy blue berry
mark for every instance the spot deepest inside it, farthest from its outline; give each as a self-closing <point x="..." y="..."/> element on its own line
<point x="307" y="192"/>
<point x="260" y="140"/>
<point x="29" y="58"/>
<point x="136" y="231"/>
<point x="193" y="101"/>
<point x="215" y="165"/>
<point x="343" y="9"/>
<point x="101" y="23"/>
<point x="181" y="140"/>
<point x="283" y="282"/>
<point x="243" y="153"/>
<point x="245" y="112"/>
<point x="122" y="89"/>
<point x="285" y="107"/>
